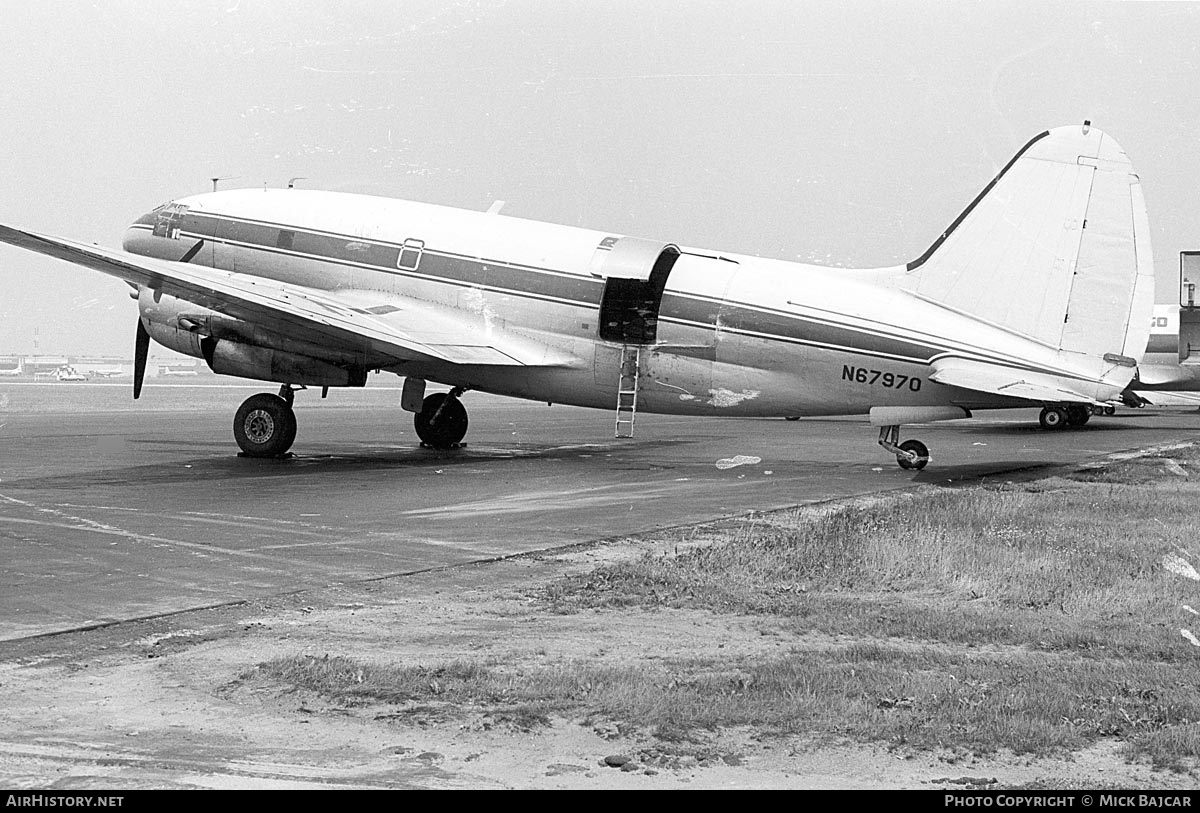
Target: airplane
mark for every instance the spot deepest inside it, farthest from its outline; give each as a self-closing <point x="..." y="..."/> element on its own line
<point x="106" y="372"/>
<point x="1039" y="293"/>
<point x="1165" y="376"/>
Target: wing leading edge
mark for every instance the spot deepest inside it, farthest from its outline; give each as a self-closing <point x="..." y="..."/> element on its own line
<point x="371" y="321"/>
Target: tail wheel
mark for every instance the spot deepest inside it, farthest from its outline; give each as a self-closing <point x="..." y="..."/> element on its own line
<point x="442" y="421"/>
<point x="918" y="450"/>
<point x="1053" y="418"/>
<point x="264" y="426"/>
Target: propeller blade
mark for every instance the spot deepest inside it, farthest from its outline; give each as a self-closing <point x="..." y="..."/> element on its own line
<point x="141" y="348"/>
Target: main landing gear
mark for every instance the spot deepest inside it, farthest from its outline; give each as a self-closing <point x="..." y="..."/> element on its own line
<point x="911" y="454"/>
<point x="442" y="421"/>
<point x="265" y="424"/>
<point x="1061" y="417"/>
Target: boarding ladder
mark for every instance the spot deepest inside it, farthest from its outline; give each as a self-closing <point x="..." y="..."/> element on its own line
<point x="627" y="390"/>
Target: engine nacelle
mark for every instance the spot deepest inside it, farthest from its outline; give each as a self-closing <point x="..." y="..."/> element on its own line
<point x="233" y="347"/>
<point x="160" y="317"/>
<point x="265" y="364"/>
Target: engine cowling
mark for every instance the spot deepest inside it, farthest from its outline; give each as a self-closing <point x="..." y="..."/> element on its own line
<point x="267" y="364"/>
<point x="232" y="347"/>
<point x="160" y="317"/>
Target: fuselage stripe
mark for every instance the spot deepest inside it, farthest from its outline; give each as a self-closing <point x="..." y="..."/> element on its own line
<point x="678" y="307"/>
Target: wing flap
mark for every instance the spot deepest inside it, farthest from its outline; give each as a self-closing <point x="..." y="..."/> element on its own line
<point x="371" y="321"/>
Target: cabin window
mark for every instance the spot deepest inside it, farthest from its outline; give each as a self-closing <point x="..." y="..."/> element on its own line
<point x="410" y="254"/>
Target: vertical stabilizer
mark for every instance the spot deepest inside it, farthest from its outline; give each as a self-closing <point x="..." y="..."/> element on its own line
<point x="1056" y="248"/>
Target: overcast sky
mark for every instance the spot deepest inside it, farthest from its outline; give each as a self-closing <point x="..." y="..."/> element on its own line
<point x="842" y="133"/>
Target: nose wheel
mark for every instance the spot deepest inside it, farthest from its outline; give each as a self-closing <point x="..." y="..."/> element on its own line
<point x="911" y="454"/>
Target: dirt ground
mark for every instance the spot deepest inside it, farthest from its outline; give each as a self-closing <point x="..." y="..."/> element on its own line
<point x="164" y="703"/>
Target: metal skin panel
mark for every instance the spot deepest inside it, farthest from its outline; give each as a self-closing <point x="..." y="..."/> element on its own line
<point x="510" y="306"/>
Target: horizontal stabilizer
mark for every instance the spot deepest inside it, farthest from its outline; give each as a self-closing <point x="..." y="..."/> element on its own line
<point x="995" y="379"/>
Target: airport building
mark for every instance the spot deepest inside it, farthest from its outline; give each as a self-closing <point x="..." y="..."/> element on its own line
<point x="35" y="367"/>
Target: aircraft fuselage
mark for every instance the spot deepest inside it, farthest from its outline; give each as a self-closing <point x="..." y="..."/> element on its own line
<point x="726" y="333"/>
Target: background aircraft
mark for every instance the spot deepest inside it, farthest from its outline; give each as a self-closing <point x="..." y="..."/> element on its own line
<point x="1038" y="293"/>
<point x="1164" y="377"/>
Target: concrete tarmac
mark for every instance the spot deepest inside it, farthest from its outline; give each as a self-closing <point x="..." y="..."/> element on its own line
<point x="113" y="510"/>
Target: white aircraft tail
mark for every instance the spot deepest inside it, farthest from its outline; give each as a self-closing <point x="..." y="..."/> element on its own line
<point x="1056" y="248"/>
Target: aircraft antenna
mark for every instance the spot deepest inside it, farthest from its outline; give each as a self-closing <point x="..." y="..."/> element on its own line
<point x="292" y="181"/>
<point x="222" y="178"/>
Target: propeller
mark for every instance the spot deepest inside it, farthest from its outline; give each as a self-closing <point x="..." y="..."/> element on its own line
<point x="141" y="347"/>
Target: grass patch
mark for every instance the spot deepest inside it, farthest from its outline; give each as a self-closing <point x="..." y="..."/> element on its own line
<point x="425" y="692"/>
<point x="1038" y="617"/>
<point x="1073" y="569"/>
<point x="920" y="698"/>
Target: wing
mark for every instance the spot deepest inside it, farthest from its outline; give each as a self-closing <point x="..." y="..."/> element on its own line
<point x="374" y="322"/>
<point x="995" y="379"/>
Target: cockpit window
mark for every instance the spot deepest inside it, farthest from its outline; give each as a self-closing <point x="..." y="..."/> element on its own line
<point x="168" y="220"/>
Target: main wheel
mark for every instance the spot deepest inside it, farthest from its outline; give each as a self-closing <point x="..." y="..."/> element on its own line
<point x="1078" y="415"/>
<point x="1110" y="410"/>
<point x="1053" y="418"/>
<point x="919" y="449"/>
<point x="442" y="421"/>
<point x="264" y="426"/>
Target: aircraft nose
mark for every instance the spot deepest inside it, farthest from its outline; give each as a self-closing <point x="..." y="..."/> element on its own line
<point x="138" y="234"/>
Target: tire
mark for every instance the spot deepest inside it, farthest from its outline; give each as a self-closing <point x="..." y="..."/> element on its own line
<point x="1053" y="418"/>
<point x="1110" y="411"/>
<point x="919" y="449"/>
<point x="264" y="426"/>
<point x="1078" y="415"/>
<point x="450" y="426"/>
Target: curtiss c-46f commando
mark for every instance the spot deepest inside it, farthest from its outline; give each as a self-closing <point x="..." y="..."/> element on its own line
<point x="1039" y="293"/>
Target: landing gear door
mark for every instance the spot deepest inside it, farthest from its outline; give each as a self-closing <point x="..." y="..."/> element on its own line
<point x="635" y="274"/>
